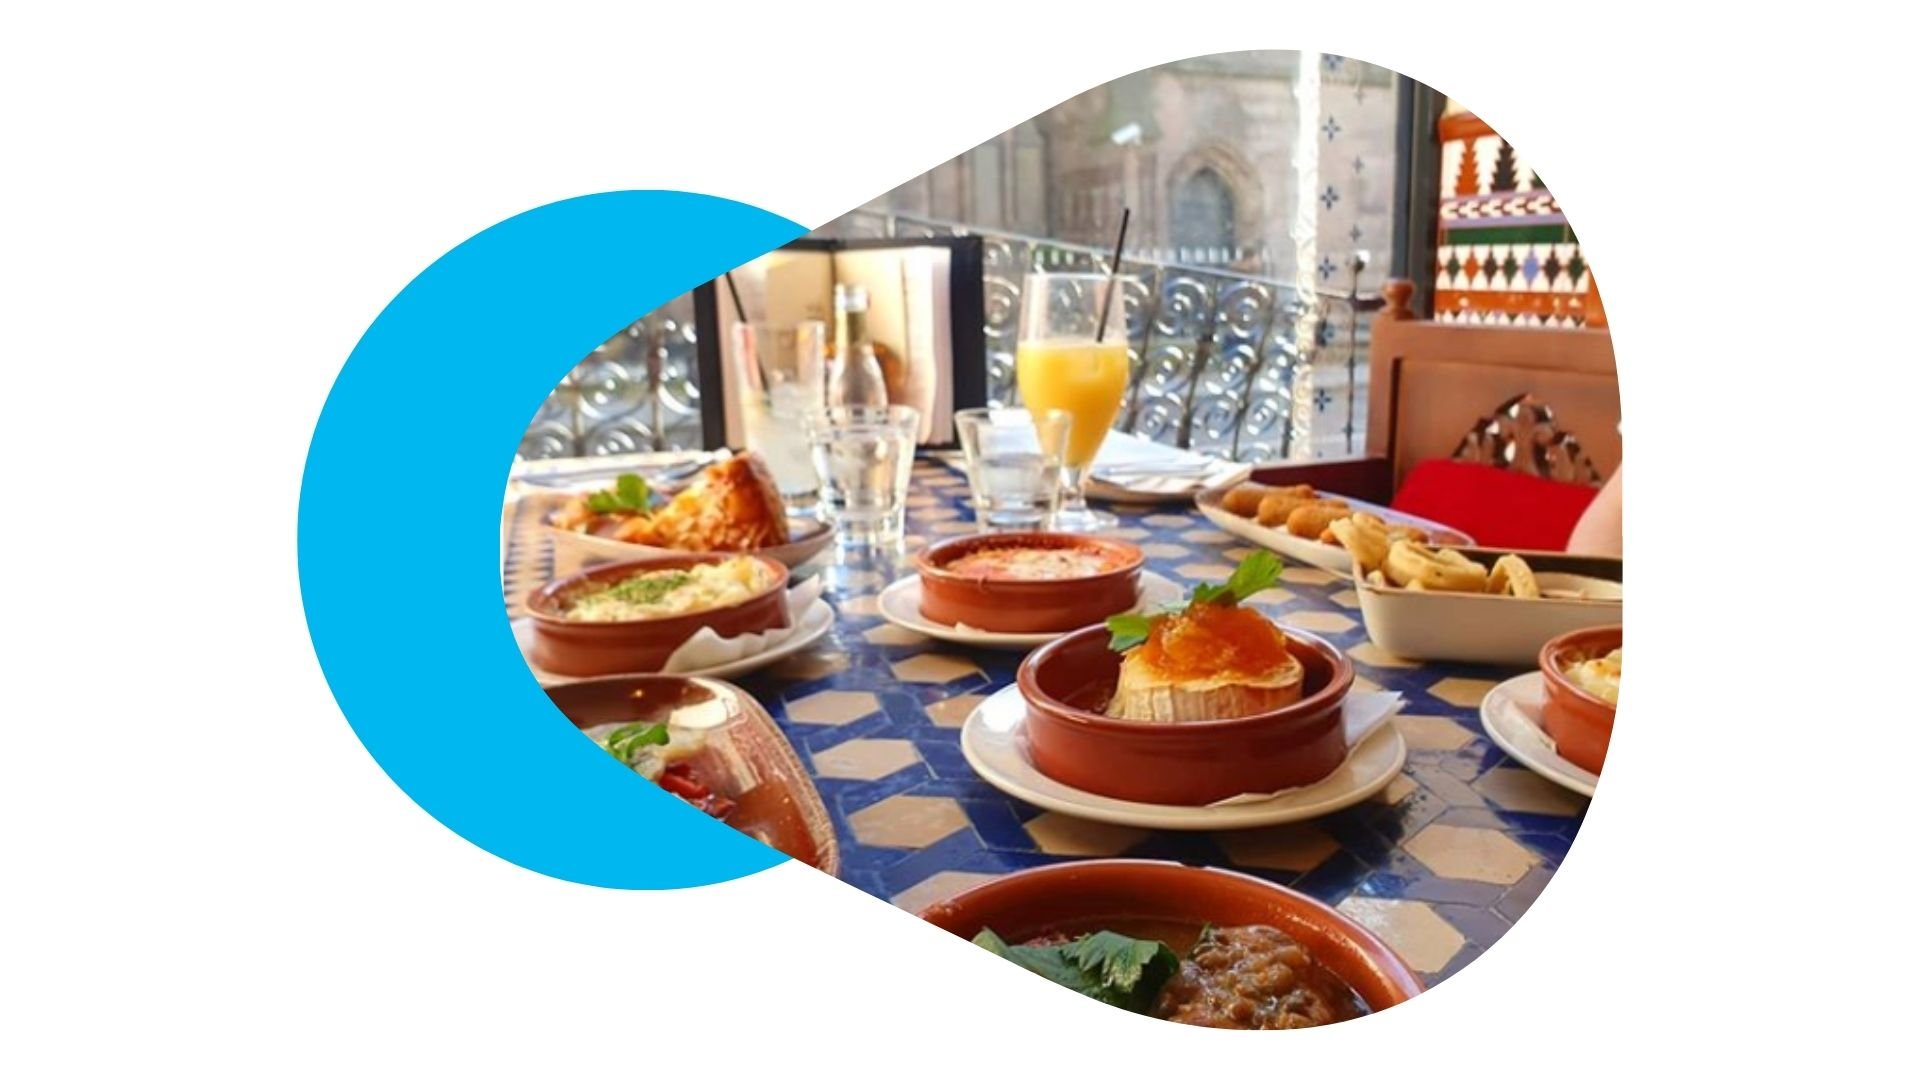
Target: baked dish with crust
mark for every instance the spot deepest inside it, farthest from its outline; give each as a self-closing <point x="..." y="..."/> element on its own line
<point x="733" y="506"/>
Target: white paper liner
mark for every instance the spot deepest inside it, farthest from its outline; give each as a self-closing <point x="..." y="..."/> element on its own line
<point x="1532" y="730"/>
<point x="707" y="649"/>
<point x="1361" y="714"/>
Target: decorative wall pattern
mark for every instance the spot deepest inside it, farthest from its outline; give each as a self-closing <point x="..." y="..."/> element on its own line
<point x="1506" y="253"/>
<point x="1354" y="169"/>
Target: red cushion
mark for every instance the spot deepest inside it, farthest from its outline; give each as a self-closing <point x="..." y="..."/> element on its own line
<point x="1500" y="509"/>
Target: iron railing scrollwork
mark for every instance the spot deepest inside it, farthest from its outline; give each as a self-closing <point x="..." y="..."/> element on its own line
<point x="1218" y="361"/>
<point x="638" y="391"/>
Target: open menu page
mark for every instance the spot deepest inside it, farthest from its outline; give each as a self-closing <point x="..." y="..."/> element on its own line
<point x="910" y="320"/>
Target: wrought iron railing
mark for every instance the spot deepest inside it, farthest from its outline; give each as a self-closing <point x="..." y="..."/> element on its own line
<point x="639" y="391"/>
<point x="1245" y="367"/>
<point x="1218" y="363"/>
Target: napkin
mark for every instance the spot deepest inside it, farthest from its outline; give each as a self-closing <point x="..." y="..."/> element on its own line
<point x="1126" y="452"/>
<point x="707" y="649"/>
<point x="1361" y="714"/>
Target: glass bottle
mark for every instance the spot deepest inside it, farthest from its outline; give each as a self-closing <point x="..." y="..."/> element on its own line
<point x="857" y="377"/>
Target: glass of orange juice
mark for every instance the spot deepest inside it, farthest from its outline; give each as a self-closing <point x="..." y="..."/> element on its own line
<point x="1073" y="356"/>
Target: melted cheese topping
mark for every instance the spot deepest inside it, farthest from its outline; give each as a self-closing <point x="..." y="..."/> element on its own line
<point x="1599" y="676"/>
<point x="660" y="594"/>
<point x="1034" y="563"/>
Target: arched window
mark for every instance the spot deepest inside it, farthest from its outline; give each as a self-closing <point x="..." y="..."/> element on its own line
<point x="1203" y="213"/>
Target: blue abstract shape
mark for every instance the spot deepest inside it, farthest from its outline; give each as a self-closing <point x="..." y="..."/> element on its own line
<point x="437" y="691"/>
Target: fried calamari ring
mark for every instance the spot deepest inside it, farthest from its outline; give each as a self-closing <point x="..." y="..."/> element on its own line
<point x="1365" y="537"/>
<point x="1446" y="570"/>
<point x="1512" y="576"/>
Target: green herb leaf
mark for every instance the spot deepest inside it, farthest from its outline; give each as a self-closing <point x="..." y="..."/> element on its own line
<point x="625" y="742"/>
<point x="1124" y="972"/>
<point x="1130" y="969"/>
<point x="628" y="494"/>
<point x="1256" y="573"/>
<point x="1128" y="631"/>
<point x="992" y="942"/>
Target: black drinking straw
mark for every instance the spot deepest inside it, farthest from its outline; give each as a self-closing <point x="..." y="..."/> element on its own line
<point x="739" y="309"/>
<point x="1113" y="272"/>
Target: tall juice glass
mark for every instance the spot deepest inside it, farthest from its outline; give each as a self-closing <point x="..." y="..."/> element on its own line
<point x="1070" y="359"/>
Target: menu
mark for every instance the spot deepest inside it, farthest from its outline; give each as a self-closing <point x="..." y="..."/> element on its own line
<point x="912" y="288"/>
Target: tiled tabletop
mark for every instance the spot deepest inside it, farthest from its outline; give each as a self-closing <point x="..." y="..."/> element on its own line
<point x="1440" y="863"/>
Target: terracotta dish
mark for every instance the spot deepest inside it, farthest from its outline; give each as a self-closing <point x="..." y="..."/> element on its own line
<point x="1067" y="682"/>
<point x="1084" y="896"/>
<point x="1580" y="723"/>
<point x="567" y="647"/>
<point x="746" y="758"/>
<point x="960" y="586"/>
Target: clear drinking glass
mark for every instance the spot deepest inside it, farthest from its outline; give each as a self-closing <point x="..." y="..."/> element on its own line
<point x="1013" y="462"/>
<point x="864" y="457"/>
<point x="787" y="362"/>
<point x="1072" y="356"/>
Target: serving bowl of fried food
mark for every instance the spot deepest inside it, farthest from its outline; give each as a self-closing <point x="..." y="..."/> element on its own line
<point x="732" y="506"/>
<point x="1297" y="521"/>
<point x="1472" y="605"/>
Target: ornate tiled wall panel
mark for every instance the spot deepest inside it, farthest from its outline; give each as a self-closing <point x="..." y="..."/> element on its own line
<point x="1506" y="253"/>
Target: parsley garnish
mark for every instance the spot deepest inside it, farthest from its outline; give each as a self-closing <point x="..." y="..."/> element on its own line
<point x="1256" y="573"/>
<point x="643" y="589"/>
<point x="629" y="494"/>
<point x="1128" y="631"/>
<point x="1113" y="968"/>
<point x="625" y="742"/>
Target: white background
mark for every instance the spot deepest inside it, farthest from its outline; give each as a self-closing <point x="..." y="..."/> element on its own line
<point x="205" y="206"/>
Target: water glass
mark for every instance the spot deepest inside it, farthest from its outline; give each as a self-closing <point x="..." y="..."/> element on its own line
<point x="864" y="457"/>
<point x="1013" y="462"/>
<point x="786" y="365"/>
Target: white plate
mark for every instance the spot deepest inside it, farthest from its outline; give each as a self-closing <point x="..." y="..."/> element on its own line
<point x="572" y="549"/>
<point x="1511" y="714"/>
<point x="1329" y="557"/>
<point x="994" y="741"/>
<point x="814" y="623"/>
<point x="900" y="605"/>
